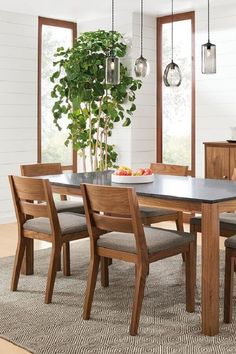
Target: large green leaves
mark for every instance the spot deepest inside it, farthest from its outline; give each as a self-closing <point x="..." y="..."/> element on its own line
<point x="80" y="92"/>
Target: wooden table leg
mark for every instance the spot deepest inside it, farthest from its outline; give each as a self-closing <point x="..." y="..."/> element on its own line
<point x="210" y="269"/>
<point x="28" y="261"/>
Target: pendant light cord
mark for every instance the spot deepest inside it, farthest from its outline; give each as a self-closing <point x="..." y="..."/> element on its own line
<point x="208" y="21"/>
<point x="172" y="30"/>
<point x="141" y="28"/>
<point x="113" y="25"/>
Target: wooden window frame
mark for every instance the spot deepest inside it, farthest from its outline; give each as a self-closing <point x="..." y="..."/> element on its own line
<point x="56" y="23"/>
<point x="160" y="22"/>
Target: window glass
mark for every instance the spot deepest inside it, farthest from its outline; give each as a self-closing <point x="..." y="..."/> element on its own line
<point x="52" y="140"/>
<point x="177" y="101"/>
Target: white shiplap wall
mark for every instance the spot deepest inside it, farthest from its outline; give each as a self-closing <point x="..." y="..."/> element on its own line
<point x="215" y="94"/>
<point x="143" y="130"/>
<point x="18" y="95"/>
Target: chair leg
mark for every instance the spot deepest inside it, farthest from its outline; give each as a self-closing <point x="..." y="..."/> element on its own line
<point x="59" y="264"/>
<point x="234" y="264"/>
<point x="179" y="222"/>
<point x="27" y="267"/>
<point x="148" y="269"/>
<point x="91" y="283"/>
<point x="17" y="263"/>
<point x="66" y="259"/>
<point x="105" y="272"/>
<point x="180" y="227"/>
<point x="228" y="295"/>
<point x="52" y="271"/>
<point x="140" y="280"/>
<point x="190" y="271"/>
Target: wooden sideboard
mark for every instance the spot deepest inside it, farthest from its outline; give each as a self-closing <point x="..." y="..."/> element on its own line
<point x="220" y="159"/>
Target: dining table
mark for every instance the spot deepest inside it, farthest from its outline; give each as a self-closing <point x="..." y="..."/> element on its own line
<point x="206" y="196"/>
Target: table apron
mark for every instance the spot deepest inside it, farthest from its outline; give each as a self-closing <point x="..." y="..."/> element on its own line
<point x="172" y="204"/>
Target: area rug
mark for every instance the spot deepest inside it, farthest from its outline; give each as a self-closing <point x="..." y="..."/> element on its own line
<point x="165" y="326"/>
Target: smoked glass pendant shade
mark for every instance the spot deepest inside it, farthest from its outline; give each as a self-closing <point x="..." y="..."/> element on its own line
<point x="112" y="70"/>
<point x="172" y="75"/>
<point x="208" y="58"/>
<point x="141" y="67"/>
<point x="208" y="51"/>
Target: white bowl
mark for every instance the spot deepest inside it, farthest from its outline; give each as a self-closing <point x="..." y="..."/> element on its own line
<point x="132" y="179"/>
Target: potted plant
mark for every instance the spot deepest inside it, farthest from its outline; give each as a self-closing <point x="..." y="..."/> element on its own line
<point x="92" y="106"/>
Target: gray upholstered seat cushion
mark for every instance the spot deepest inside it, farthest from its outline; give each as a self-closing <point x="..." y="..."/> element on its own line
<point x="69" y="223"/>
<point x="72" y="206"/>
<point x="231" y="242"/>
<point x="157" y="240"/>
<point x="148" y="212"/>
<point x="227" y="221"/>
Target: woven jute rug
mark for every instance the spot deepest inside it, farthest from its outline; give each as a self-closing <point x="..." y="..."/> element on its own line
<point x="165" y="326"/>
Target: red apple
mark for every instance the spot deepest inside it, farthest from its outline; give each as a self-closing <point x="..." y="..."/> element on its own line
<point x="147" y="171"/>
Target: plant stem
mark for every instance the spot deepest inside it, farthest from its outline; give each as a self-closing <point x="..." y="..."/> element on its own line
<point x="105" y="141"/>
<point x="90" y="139"/>
<point x="101" y="162"/>
<point x="84" y="160"/>
<point x="106" y="128"/>
<point x="97" y="138"/>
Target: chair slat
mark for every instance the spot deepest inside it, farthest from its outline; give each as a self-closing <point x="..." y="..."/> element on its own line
<point x="29" y="189"/>
<point x="41" y="169"/>
<point x="100" y="199"/>
<point x="167" y="169"/>
<point x="36" y="210"/>
<point x="111" y="223"/>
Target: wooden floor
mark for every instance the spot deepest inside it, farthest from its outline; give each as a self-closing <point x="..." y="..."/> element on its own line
<point x="8" y="241"/>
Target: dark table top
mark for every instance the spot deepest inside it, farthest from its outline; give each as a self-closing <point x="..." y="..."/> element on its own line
<point x="164" y="187"/>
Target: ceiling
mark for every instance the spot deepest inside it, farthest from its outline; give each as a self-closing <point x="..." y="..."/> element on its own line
<point x="89" y="9"/>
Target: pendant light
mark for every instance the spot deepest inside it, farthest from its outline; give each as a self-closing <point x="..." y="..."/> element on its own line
<point x="208" y="52"/>
<point x="172" y="75"/>
<point x="141" y="66"/>
<point x="112" y="62"/>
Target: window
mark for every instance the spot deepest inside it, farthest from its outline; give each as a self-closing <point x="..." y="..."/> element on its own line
<point x="176" y="105"/>
<point x="51" y="148"/>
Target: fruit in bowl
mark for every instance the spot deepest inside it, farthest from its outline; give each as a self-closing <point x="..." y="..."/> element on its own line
<point x="139" y="172"/>
<point x="123" y="171"/>
<point x="125" y="175"/>
<point x="126" y="171"/>
<point x="143" y="172"/>
<point x="147" y="172"/>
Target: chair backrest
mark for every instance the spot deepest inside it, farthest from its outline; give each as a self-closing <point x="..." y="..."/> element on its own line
<point x="113" y="209"/>
<point x="27" y="193"/>
<point x="42" y="169"/>
<point x="167" y="169"/>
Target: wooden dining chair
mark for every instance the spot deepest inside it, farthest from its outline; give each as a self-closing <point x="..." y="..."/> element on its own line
<point x="230" y="256"/>
<point x="41" y="221"/>
<point x="46" y="169"/>
<point x="151" y="215"/>
<point x="62" y="205"/>
<point x="116" y="211"/>
<point x="227" y="221"/>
